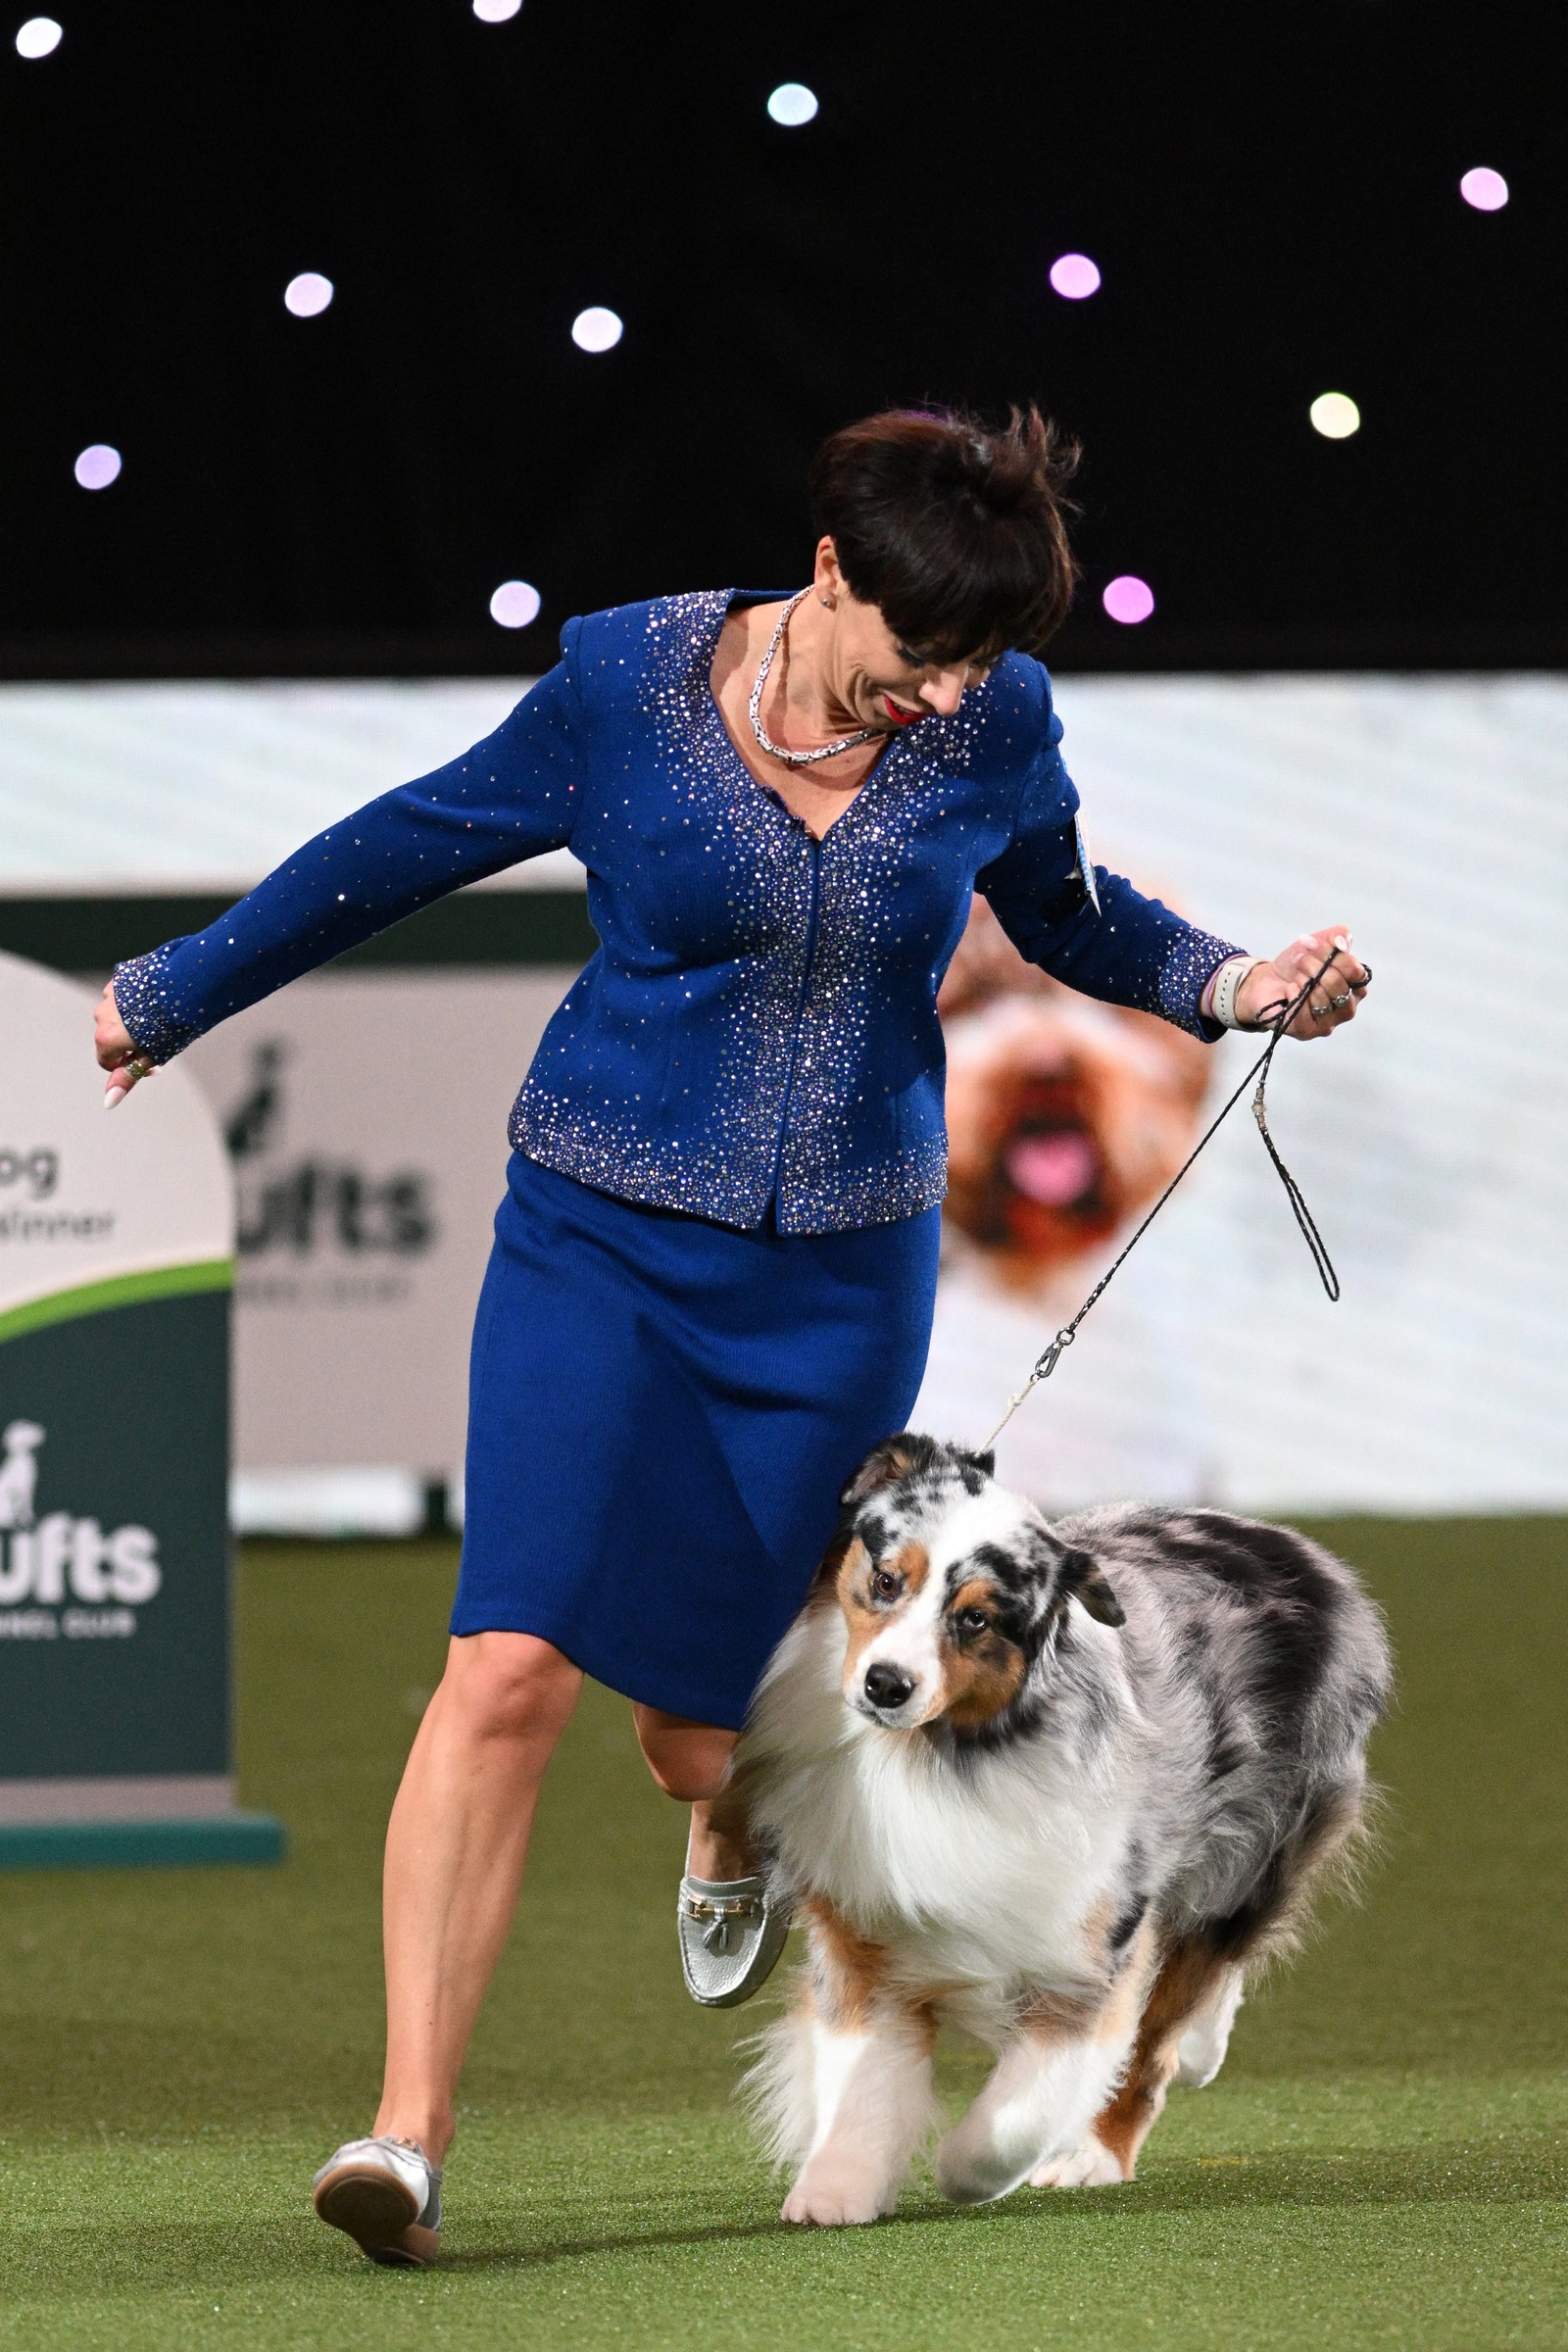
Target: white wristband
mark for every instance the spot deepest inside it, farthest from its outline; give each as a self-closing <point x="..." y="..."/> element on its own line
<point x="1225" y="986"/>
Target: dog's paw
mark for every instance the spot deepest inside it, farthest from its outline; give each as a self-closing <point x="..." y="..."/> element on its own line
<point x="823" y="2202"/>
<point x="1090" y="2166"/>
<point x="967" y="2174"/>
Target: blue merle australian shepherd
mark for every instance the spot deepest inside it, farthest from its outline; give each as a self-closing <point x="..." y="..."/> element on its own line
<point x="1063" y="1786"/>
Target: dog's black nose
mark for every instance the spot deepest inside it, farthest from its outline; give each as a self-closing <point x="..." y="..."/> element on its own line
<point x="887" y="1685"/>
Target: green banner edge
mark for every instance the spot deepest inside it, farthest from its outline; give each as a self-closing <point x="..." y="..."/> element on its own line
<point x="118" y="1289"/>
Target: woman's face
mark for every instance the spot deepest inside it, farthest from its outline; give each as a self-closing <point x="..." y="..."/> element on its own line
<point x="878" y="680"/>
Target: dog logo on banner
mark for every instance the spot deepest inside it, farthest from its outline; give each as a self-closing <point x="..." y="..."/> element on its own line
<point x="109" y="1572"/>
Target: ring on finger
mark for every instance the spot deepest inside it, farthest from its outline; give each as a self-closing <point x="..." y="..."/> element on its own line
<point x="1336" y="1001"/>
<point x="1319" y="1012"/>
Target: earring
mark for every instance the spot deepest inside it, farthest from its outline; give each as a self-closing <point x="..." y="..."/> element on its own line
<point x="826" y="601"/>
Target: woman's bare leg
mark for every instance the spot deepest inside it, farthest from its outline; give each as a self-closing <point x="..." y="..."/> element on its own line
<point x="456" y="1847"/>
<point x="690" y="1761"/>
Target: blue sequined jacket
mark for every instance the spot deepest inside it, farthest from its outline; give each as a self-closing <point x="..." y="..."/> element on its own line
<point x="758" y="1025"/>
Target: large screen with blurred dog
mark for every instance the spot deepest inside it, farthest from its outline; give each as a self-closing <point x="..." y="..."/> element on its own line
<point x="1428" y="815"/>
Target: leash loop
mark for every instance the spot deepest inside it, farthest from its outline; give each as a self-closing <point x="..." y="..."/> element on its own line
<point x="1284" y="1013"/>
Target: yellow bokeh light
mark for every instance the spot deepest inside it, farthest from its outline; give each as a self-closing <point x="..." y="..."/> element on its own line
<point x="1335" y="415"/>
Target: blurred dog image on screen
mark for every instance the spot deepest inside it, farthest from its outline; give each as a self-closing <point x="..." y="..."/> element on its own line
<point x="1065" y="1119"/>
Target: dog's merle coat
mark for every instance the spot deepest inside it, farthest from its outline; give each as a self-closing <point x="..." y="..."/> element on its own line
<point x="1057" y="1785"/>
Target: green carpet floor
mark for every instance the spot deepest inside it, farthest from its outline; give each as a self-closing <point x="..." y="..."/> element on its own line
<point x="1381" y="2164"/>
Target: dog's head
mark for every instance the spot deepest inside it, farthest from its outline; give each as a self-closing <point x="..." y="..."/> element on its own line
<point x="953" y="1592"/>
<point x="1064" y="1117"/>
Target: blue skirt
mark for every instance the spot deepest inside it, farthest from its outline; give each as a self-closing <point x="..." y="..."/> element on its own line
<point x="661" y="1415"/>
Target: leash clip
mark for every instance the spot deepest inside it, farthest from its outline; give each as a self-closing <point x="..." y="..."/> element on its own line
<point x="1043" y="1367"/>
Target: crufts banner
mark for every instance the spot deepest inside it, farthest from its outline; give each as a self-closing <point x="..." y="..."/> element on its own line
<point x="116" y="1251"/>
<point x="365" y="1115"/>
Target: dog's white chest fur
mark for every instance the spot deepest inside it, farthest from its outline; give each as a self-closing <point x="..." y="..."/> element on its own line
<point x="976" y="1873"/>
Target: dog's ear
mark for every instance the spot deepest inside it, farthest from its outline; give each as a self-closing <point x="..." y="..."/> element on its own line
<point x="985" y="1463"/>
<point x="1082" y="1578"/>
<point x="887" y="1463"/>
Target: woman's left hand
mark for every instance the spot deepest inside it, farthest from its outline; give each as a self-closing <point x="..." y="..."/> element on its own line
<point x="117" y="1051"/>
<point x="1333" y="1001"/>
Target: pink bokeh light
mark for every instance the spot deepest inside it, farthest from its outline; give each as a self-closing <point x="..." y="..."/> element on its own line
<point x="1487" y="190"/>
<point x="514" y="604"/>
<point x="1074" y="277"/>
<point x="1128" y="599"/>
<point x="97" y="466"/>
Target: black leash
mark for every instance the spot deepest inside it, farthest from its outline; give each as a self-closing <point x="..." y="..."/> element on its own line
<point x="1285" y="1014"/>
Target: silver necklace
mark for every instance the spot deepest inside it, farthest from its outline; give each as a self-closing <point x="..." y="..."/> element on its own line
<point x="776" y="751"/>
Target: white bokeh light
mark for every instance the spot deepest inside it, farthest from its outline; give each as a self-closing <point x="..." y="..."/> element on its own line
<point x="308" y="295"/>
<point x="791" y="104"/>
<point x="1487" y="190"/>
<point x="514" y="604"/>
<point x="596" y="330"/>
<point x="1335" y="415"/>
<point x="97" y="466"/>
<point x="1074" y="277"/>
<point x="497" y="12"/>
<point x="40" y="36"/>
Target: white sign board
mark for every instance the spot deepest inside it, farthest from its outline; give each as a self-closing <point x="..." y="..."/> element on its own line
<point x="116" y="1243"/>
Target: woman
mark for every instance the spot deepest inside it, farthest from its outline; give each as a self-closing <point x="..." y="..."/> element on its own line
<point x="712" y="1279"/>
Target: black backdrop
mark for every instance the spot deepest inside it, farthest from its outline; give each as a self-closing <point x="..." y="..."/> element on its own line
<point x="1270" y="193"/>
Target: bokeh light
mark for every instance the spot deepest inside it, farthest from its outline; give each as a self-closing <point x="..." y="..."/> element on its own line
<point x="514" y="604"/>
<point x="97" y="466"/>
<point x="596" y="330"/>
<point x="1128" y="599"/>
<point x="791" y="104"/>
<point x="1486" y="189"/>
<point x="1335" y="415"/>
<point x="308" y="295"/>
<point x="1074" y="277"/>
<point x="496" y="12"/>
<point x="40" y="36"/>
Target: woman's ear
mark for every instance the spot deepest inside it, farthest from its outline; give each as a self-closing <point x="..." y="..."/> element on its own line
<point x="1083" y="1579"/>
<point x="827" y="579"/>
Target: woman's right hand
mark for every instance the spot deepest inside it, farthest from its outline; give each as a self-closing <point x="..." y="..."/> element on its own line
<point x="117" y="1049"/>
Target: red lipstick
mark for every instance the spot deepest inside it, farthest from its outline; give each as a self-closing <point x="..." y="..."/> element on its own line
<point x="900" y="718"/>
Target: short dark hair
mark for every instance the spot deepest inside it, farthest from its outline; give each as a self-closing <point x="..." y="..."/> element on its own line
<point x="956" y="529"/>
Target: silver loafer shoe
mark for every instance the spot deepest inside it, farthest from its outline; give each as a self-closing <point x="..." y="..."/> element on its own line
<point x="731" y="1936"/>
<point x="386" y="2195"/>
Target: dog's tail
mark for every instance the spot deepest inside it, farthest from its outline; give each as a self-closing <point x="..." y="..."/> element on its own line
<point x="777" y="2089"/>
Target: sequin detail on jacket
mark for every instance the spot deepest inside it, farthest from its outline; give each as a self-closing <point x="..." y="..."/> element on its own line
<point x="759" y="1022"/>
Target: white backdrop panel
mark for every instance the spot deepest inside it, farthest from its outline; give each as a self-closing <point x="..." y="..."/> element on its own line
<point x="1429" y="815"/>
<point x="207" y="787"/>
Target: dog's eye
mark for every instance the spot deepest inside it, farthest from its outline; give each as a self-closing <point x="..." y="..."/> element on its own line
<point x="971" y="1621"/>
<point x="884" y="1585"/>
